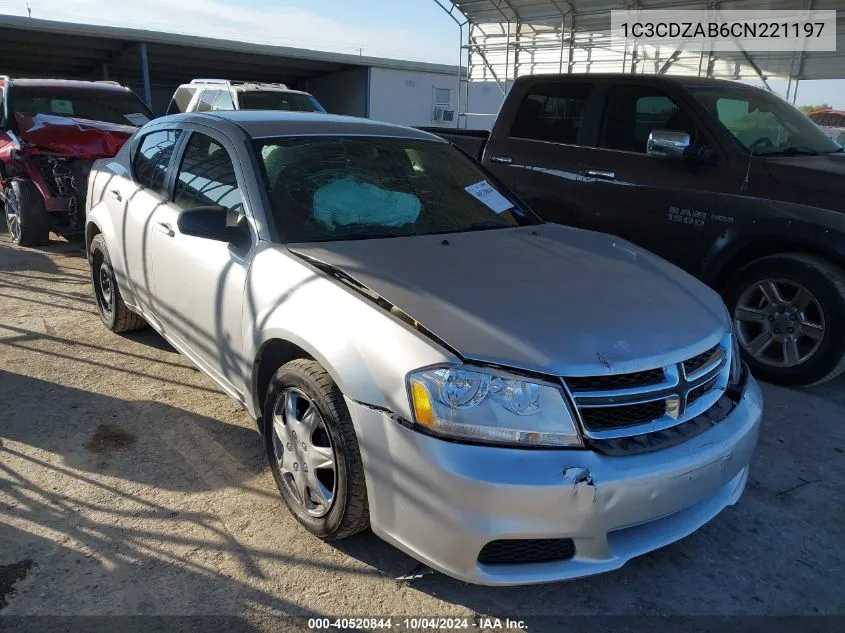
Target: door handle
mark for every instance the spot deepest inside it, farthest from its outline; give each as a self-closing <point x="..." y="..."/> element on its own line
<point x="504" y="160"/>
<point x="164" y="227"/>
<point x="114" y="193"/>
<point x="603" y="174"/>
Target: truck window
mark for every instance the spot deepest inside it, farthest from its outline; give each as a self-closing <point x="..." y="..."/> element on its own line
<point x="180" y="100"/>
<point x="552" y="112"/>
<point x="207" y="99"/>
<point x="224" y="101"/>
<point x="632" y="112"/>
<point x="763" y="122"/>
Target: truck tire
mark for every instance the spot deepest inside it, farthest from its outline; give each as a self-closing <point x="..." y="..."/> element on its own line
<point x="113" y="311"/>
<point x="306" y="424"/>
<point x="789" y="316"/>
<point x="26" y="218"/>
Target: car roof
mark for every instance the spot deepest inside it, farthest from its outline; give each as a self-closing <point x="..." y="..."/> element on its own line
<point x="241" y="86"/>
<point x="68" y="83"/>
<point x="688" y="81"/>
<point x="265" y="88"/>
<point x="271" y="123"/>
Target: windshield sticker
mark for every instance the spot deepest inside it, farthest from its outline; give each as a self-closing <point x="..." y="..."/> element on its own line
<point x="61" y="106"/>
<point x="137" y="118"/>
<point x="484" y="192"/>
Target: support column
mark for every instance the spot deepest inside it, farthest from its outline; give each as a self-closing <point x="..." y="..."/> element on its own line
<point x="145" y="76"/>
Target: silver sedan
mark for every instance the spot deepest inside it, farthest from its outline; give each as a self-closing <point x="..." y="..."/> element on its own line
<point x="506" y="400"/>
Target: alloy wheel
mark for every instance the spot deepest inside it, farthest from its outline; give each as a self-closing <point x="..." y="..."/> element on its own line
<point x="779" y="323"/>
<point x="304" y="453"/>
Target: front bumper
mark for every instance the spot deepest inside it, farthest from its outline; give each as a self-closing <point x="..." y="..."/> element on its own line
<point x="441" y="502"/>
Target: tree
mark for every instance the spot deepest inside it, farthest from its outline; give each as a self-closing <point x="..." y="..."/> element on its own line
<point x="812" y="108"/>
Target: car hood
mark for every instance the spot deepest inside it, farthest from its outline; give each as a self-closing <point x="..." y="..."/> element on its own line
<point x="546" y="298"/>
<point x="73" y="138"/>
<point x="820" y="173"/>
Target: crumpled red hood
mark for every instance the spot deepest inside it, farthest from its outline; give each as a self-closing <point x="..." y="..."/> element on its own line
<point x="73" y="138"/>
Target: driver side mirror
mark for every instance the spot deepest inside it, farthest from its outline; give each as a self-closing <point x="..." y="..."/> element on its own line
<point x="667" y="143"/>
<point x="214" y="223"/>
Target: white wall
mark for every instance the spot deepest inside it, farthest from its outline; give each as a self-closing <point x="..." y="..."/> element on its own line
<point x="484" y="101"/>
<point x="342" y="93"/>
<point x="406" y="97"/>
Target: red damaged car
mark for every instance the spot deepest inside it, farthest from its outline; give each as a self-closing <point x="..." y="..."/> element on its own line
<point x="51" y="131"/>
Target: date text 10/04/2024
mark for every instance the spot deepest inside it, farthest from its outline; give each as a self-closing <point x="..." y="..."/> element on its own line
<point x="481" y="623"/>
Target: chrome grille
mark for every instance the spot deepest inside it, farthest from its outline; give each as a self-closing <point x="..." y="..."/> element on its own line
<point x="697" y="362"/>
<point x="633" y="404"/>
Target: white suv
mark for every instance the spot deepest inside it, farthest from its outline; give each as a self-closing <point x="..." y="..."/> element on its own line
<point x="205" y="95"/>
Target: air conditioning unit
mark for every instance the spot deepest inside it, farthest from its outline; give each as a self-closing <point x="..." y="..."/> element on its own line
<point x="444" y="114"/>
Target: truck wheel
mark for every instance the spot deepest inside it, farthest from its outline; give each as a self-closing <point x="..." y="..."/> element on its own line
<point x="313" y="451"/>
<point x="789" y="317"/>
<point x="26" y="219"/>
<point x="113" y="311"/>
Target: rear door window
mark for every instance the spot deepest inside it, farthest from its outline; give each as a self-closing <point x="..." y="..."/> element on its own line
<point x="552" y="112"/>
<point x="152" y="158"/>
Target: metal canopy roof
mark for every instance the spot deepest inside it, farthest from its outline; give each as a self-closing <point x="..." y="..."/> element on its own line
<point x="43" y="48"/>
<point x="587" y="22"/>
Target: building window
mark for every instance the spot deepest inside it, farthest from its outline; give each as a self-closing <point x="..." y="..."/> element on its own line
<point x="442" y="96"/>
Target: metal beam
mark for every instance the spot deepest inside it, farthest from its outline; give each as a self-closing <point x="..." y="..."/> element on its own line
<point x="671" y="60"/>
<point x="753" y="65"/>
<point x="145" y="76"/>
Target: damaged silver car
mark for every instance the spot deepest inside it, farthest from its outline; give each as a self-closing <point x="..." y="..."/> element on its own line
<point x="507" y="401"/>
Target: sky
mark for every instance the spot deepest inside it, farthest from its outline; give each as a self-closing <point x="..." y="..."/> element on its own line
<point x="406" y="29"/>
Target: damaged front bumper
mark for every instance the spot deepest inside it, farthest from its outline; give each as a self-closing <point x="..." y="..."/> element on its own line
<point x="442" y="502"/>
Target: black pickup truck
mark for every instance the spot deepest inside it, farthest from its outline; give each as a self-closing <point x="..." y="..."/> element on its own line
<point x="725" y="180"/>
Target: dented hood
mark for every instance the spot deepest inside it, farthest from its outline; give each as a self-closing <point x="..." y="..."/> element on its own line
<point x="73" y="138"/>
<point x="546" y="298"/>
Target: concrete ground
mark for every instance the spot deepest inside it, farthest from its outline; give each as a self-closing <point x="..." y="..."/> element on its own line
<point x="130" y="485"/>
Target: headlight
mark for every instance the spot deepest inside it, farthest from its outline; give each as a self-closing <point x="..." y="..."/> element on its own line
<point x="736" y="361"/>
<point x="485" y="405"/>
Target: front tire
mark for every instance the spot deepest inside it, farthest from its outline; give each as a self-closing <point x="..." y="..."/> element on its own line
<point x="113" y="311"/>
<point x="26" y="217"/>
<point x="789" y="316"/>
<point x="313" y="451"/>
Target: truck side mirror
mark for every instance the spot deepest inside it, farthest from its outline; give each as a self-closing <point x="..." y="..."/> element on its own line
<point x="667" y="143"/>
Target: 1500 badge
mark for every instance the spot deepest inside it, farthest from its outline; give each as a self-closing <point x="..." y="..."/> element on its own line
<point x="695" y="218"/>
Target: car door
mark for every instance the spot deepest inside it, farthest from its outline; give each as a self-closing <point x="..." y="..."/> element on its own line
<point x="198" y="282"/>
<point x="662" y="204"/>
<point x="132" y="202"/>
<point x="538" y="155"/>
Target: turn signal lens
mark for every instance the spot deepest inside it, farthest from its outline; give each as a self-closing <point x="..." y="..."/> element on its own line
<point x="422" y="404"/>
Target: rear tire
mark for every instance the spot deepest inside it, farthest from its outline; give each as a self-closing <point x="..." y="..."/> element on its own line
<point x="330" y="437"/>
<point x="113" y="311"/>
<point x="26" y="217"/>
<point x="789" y="315"/>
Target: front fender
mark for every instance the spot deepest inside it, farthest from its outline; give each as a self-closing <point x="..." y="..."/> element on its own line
<point x="367" y="351"/>
<point x="740" y="245"/>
